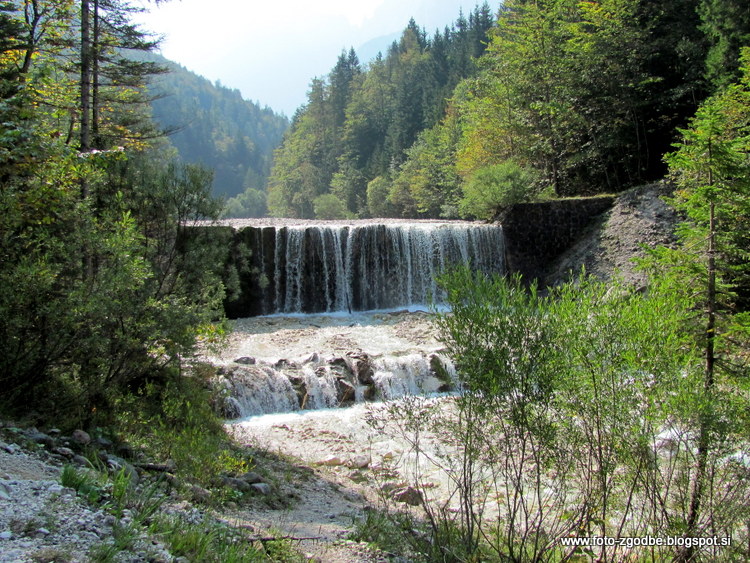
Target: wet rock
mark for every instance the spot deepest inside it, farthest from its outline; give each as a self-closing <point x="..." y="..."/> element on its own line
<point x="296" y="379"/>
<point x="229" y="408"/>
<point x="339" y="362"/>
<point x="245" y="360"/>
<point x="408" y="495"/>
<point x="361" y="366"/>
<point x="440" y="371"/>
<point x="370" y="393"/>
<point x="345" y="392"/>
<point x="299" y="384"/>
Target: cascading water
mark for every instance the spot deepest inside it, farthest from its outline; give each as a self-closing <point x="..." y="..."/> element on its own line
<point x="358" y="266"/>
<point x="259" y="389"/>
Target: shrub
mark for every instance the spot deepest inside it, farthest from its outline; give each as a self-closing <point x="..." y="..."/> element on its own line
<point x="492" y="189"/>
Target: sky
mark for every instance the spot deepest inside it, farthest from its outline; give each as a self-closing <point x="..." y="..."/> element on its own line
<point x="270" y="50"/>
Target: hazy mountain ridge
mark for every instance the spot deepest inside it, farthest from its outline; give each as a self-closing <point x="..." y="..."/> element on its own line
<point x="213" y="125"/>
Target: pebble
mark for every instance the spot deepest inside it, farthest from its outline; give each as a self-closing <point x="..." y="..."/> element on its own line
<point x="11" y="448"/>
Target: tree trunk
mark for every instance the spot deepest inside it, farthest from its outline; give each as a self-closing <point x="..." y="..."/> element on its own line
<point x="85" y="108"/>
<point x="708" y="382"/>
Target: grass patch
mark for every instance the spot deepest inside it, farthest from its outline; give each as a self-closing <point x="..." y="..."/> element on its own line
<point x="213" y="542"/>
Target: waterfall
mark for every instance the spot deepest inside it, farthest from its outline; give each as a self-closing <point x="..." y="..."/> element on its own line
<point x="291" y="268"/>
<point x="359" y="266"/>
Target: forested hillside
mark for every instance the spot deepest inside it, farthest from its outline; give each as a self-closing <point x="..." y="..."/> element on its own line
<point x="360" y="120"/>
<point x="562" y="96"/>
<point x="212" y="125"/>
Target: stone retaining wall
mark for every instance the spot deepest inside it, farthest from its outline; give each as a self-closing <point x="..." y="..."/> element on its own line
<point x="537" y="233"/>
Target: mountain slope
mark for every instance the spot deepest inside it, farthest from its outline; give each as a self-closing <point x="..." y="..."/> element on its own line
<point x="214" y="126"/>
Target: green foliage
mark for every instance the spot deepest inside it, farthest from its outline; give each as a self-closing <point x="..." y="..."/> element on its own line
<point x="250" y="203"/>
<point x="359" y="124"/>
<point x="579" y="412"/>
<point x="710" y="167"/>
<point x="726" y="25"/>
<point x="377" y="197"/>
<point x="174" y="419"/>
<point x="213" y="542"/>
<point x="328" y="206"/>
<point x="96" y="292"/>
<point x="493" y="189"/>
<point x="83" y="482"/>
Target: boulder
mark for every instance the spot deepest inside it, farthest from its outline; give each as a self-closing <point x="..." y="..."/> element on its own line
<point x="40" y="438"/>
<point x="252" y="477"/>
<point x="4" y="492"/>
<point x="199" y="494"/>
<point x="235" y="483"/>
<point x="117" y="464"/>
<point x="332" y="461"/>
<point x="262" y="488"/>
<point x="81" y="437"/>
<point x="408" y="495"/>
<point x="103" y="443"/>
<point x="65" y="452"/>
<point x="359" y="462"/>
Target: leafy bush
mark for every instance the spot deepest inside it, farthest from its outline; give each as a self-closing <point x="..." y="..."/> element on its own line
<point x="329" y="206"/>
<point x="495" y="188"/>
